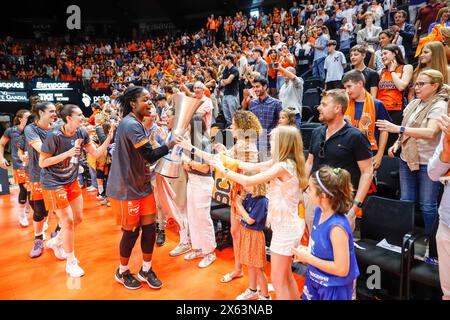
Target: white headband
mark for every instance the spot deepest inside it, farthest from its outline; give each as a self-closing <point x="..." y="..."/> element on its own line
<point x="322" y="186"/>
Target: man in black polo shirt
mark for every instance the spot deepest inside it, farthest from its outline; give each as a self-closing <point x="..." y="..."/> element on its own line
<point x="340" y="145"/>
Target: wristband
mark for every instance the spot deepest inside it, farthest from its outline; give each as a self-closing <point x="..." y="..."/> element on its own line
<point x="358" y="204"/>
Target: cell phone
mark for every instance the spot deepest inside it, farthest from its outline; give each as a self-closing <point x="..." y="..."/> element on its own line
<point x="276" y="65"/>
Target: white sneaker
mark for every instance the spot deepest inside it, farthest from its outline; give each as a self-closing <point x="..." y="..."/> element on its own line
<point x="194" y="254"/>
<point x="207" y="260"/>
<point x="264" y="298"/>
<point x="56" y="245"/>
<point x="23" y="220"/>
<point x="180" y="249"/>
<point x="74" y="270"/>
<point x="91" y="189"/>
<point x="248" y="295"/>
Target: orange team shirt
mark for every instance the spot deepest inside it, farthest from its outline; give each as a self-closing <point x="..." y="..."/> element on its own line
<point x="211" y="24"/>
<point x="272" y="73"/>
<point x="158" y="58"/>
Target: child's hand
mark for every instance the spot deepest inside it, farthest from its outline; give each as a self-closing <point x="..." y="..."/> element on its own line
<point x="301" y="254"/>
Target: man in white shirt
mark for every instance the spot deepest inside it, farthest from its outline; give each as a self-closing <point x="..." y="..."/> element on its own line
<point x="291" y="93"/>
<point x="277" y="40"/>
<point x="335" y="64"/>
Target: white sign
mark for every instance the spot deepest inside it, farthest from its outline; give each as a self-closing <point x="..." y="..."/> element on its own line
<point x="12" y="85"/>
<point x="53" y="97"/>
<point x="52" y="86"/>
<point x="11" y="96"/>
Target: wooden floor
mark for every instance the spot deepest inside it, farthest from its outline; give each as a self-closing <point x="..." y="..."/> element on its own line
<point x="96" y="247"/>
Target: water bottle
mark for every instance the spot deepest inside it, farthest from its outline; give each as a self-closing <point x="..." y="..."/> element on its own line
<point x="74" y="159"/>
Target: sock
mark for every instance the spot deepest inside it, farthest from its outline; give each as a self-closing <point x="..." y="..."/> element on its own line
<point x="39" y="236"/>
<point x="146" y="266"/>
<point x="122" y="268"/>
<point x="100" y="190"/>
<point x="70" y="256"/>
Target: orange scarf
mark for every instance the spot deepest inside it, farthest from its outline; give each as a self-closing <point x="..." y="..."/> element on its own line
<point x="366" y="124"/>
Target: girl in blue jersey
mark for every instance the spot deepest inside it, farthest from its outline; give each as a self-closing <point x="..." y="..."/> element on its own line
<point x="330" y="259"/>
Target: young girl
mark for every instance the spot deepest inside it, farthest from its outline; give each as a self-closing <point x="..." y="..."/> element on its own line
<point x="287" y="118"/>
<point x="252" y="244"/>
<point x="287" y="177"/>
<point x="331" y="263"/>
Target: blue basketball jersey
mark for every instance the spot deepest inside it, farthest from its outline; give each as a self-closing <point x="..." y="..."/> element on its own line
<point x="321" y="247"/>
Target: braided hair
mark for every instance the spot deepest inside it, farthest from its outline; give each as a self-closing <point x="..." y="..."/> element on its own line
<point x="129" y="95"/>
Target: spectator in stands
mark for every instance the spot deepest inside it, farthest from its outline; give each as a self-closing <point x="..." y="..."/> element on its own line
<point x="260" y="64"/>
<point x="326" y="148"/>
<point x="357" y="56"/>
<point x="230" y="83"/>
<point x="287" y="118"/>
<point x="286" y="59"/>
<point x="304" y="55"/>
<point x="414" y="6"/>
<point x="377" y="10"/>
<point x="363" y="111"/>
<point x="394" y="80"/>
<point x="404" y="34"/>
<point x="418" y="138"/>
<point x="267" y="109"/>
<point x="345" y="32"/>
<point x="370" y="33"/>
<point x="205" y="110"/>
<point x="331" y="263"/>
<point x="432" y="57"/>
<point x="386" y="37"/>
<point x="291" y="93"/>
<point x="425" y="17"/>
<point x="439" y="170"/>
<point x="334" y="66"/>
<point x="271" y="59"/>
<point x="320" y="53"/>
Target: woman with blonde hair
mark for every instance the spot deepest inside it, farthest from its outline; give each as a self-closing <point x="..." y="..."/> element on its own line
<point x="432" y="57"/>
<point x="419" y="135"/>
<point x="245" y="128"/>
<point x="286" y="176"/>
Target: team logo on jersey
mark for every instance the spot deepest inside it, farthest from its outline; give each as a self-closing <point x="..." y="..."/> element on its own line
<point x="366" y="120"/>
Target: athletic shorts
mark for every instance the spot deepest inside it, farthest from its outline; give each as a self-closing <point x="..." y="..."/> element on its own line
<point x="129" y="212"/>
<point x="36" y="191"/>
<point x="20" y="176"/>
<point x="314" y="291"/>
<point x="61" y="197"/>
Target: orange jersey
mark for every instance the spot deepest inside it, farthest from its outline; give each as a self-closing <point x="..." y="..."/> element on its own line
<point x="388" y="93"/>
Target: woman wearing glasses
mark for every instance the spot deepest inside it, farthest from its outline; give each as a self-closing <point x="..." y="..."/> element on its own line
<point x="419" y="136"/>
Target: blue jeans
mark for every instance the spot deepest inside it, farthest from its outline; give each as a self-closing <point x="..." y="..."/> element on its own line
<point x="280" y="82"/>
<point x="416" y="185"/>
<point x="93" y="174"/>
<point x="298" y="120"/>
<point x="319" y="68"/>
<point x="229" y="104"/>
